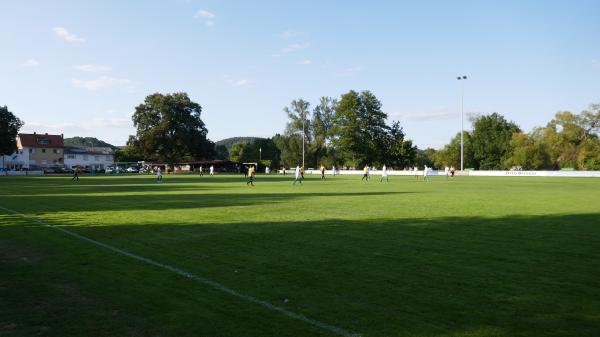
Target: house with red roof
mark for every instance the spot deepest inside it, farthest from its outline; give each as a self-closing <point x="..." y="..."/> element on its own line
<point x="40" y="150"/>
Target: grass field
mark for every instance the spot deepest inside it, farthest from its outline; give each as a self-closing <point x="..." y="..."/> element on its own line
<point x="468" y="257"/>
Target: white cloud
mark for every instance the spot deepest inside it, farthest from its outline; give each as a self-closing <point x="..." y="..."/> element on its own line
<point x="103" y="82"/>
<point x="348" y="71"/>
<point x="30" y="63"/>
<point x="238" y="83"/>
<point x="275" y="55"/>
<point x="90" y="125"/>
<point x="92" y="68"/>
<point x="290" y="34"/>
<point x="64" y="34"/>
<point x="242" y="82"/>
<point x="436" y="113"/>
<point x="295" y="47"/>
<point x="206" y="16"/>
<point x="305" y="62"/>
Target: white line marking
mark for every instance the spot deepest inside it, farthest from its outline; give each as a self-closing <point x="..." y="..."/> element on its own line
<point x="200" y="279"/>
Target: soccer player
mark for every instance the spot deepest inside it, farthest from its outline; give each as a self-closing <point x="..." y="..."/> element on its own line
<point x="425" y="177"/>
<point x="446" y="171"/>
<point x="365" y="173"/>
<point x="250" y="176"/>
<point x="75" y="174"/>
<point x="333" y="170"/>
<point x="267" y="170"/>
<point x="322" y="172"/>
<point x="452" y="169"/>
<point x="201" y="170"/>
<point x="384" y="174"/>
<point x="302" y="171"/>
<point x="158" y="174"/>
<point x="212" y="170"/>
<point x="298" y="175"/>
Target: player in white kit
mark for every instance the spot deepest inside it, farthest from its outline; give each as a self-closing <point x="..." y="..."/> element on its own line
<point x="384" y="174"/>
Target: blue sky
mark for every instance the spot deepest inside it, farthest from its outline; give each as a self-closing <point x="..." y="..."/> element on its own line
<point x="81" y="67"/>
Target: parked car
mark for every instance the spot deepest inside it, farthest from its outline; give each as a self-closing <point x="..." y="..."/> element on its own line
<point x="52" y="170"/>
<point x="132" y="169"/>
<point x="67" y="170"/>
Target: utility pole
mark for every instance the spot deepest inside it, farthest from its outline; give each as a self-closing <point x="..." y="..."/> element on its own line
<point x="462" y="120"/>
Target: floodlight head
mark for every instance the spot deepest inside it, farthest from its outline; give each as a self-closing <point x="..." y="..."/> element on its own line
<point x="458" y="78"/>
<point x="464" y="77"/>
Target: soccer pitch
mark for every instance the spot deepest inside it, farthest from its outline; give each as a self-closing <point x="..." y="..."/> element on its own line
<point x="210" y="256"/>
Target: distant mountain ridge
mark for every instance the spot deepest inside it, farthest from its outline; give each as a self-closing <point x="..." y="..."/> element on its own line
<point x="87" y="142"/>
<point x="228" y="142"/>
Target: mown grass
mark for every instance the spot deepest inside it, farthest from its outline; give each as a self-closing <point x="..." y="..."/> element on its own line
<point x="473" y="256"/>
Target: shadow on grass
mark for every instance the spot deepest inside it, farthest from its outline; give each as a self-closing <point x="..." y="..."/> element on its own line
<point x="82" y="202"/>
<point x="454" y="276"/>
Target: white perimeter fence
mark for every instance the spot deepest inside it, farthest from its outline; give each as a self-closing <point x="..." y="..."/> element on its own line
<point x="573" y="174"/>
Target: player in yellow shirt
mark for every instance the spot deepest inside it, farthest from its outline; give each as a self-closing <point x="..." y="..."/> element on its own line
<point x="365" y="173"/>
<point x="250" y="176"/>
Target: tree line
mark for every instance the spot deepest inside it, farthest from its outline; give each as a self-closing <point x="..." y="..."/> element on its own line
<point x="350" y="131"/>
<point x="568" y="141"/>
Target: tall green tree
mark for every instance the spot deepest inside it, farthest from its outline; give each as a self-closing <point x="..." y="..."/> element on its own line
<point x="221" y="152"/>
<point x="449" y="155"/>
<point x="528" y="152"/>
<point x="490" y="141"/>
<point x="321" y="125"/>
<point x="290" y="147"/>
<point x="169" y="129"/>
<point x="401" y="152"/>
<point x="9" y="129"/>
<point x="243" y="152"/>
<point x="359" y="131"/>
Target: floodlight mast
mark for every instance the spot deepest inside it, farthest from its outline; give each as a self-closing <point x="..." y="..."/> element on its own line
<point x="303" y="137"/>
<point x="462" y="120"/>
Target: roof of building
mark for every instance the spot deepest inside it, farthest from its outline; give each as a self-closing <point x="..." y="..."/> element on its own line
<point x="89" y="150"/>
<point x="41" y="140"/>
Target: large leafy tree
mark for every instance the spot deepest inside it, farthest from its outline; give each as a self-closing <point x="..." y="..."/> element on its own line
<point x="321" y="125"/>
<point x="528" y="152"/>
<point x="290" y="147"/>
<point x="401" y="152"/>
<point x="359" y="131"/>
<point x="243" y="152"/>
<point x="449" y="155"/>
<point x="490" y="140"/>
<point x="169" y="129"/>
<point x="260" y="148"/>
<point x="9" y="128"/>
<point x="221" y="152"/>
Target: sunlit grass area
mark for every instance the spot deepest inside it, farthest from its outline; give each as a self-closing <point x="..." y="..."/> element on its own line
<point x="463" y="257"/>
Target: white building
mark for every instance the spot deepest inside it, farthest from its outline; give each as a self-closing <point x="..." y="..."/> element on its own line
<point x="92" y="158"/>
<point x="35" y="151"/>
<point x="16" y="161"/>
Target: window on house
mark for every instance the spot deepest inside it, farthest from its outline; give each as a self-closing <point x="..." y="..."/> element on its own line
<point x="109" y="158"/>
<point x="43" y="150"/>
<point x="71" y="156"/>
<point x="30" y="150"/>
<point x="96" y="158"/>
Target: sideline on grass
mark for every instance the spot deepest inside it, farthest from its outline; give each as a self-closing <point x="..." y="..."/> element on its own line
<point x="290" y="314"/>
